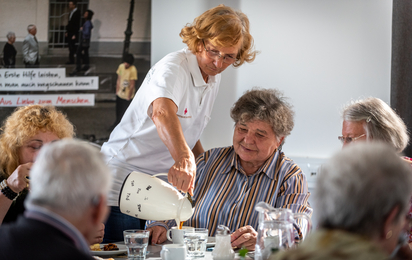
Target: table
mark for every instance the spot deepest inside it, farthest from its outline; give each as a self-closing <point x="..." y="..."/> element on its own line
<point x="155" y="254"/>
<point x="153" y="249"/>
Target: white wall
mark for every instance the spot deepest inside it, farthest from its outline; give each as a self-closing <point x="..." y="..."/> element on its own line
<point x="320" y="53"/>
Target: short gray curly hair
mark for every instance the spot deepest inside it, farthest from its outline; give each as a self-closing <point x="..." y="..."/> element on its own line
<point x="381" y="123"/>
<point x="10" y="34"/>
<point x="268" y="105"/>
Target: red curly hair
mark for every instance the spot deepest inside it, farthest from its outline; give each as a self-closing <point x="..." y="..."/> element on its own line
<point x="224" y="27"/>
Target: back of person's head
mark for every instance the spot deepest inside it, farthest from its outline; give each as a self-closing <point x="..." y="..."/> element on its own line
<point x="68" y="177"/>
<point x="24" y="123"/>
<point x="129" y="58"/>
<point x="359" y="186"/>
<point x="90" y="14"/>
<point x="224" y="27"/>
<point x="381" y="122"/>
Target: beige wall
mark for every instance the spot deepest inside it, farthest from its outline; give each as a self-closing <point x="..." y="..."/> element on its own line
<point x="16" y="15"/>
<point x="110" y="20"/>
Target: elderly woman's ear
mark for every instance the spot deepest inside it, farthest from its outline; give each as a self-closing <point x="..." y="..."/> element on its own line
<point x="281" y="140"/>
<point x="389" y="222"/>
<point x="393" y="222"/>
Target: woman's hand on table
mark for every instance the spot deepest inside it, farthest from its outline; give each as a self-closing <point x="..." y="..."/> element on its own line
<point x="157" y="234"/>
<point x="244" y="237"/>
<point x="17" y="180"/>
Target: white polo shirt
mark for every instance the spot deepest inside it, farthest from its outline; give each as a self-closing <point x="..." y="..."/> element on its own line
<point x="134" y="145"/>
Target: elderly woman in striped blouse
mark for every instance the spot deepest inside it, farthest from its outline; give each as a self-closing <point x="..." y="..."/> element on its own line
<point x="232" y="180"/>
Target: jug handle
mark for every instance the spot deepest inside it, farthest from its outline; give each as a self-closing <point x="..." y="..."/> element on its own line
<point x="159" y="174"/>
<point x="165" y="174"/>
<point x="307" y="218"/>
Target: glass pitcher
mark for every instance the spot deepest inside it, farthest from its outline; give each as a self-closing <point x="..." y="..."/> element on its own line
<point x="276" y="229"/>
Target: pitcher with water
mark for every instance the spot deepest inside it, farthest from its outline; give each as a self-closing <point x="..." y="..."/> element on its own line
<point x="276" y="229"/>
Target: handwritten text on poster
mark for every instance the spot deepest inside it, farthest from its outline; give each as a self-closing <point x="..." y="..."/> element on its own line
<point x="44" y="80"/>
<point x="55" y="100"/>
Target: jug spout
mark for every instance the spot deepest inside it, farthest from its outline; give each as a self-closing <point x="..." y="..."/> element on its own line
<point x="263" y="207"/>
<point x="265" y="211"/>
<point x="185" y="208"/>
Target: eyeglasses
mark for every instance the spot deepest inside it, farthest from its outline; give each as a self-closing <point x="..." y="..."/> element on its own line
<point x="228" y="59"/>
<point x="349" y="139"/>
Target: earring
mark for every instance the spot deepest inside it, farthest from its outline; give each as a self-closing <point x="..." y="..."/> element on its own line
<point x="389" y="234"/>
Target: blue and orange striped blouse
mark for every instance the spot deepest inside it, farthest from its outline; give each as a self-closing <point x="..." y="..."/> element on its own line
<point x="225" y="195"/>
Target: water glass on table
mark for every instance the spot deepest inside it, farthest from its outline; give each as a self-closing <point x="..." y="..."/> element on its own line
<point x="195" y="241"/>
<point x="136" y="241"/>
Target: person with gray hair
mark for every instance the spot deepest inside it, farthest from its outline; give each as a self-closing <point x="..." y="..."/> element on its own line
<point x="230" y="181"/>
<point x="69" y="183"/>
<point x="362" y="197"/>
<point x="31" y="57"/>
<point x="9" y="52"/>
<point x="373" y="119"/>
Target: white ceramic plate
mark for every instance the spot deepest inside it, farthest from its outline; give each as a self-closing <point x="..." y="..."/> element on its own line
<point x="122" y="250"/>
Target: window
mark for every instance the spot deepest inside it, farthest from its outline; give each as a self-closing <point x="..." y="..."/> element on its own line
<point x="58" y="18"/>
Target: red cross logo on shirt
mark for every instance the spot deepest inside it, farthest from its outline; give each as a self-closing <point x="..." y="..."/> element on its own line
<point x="185" y="111"/>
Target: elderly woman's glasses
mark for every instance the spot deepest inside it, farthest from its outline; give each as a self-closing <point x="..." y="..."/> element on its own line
<point x="349" y="139"/>
<point x="228" y="59"/>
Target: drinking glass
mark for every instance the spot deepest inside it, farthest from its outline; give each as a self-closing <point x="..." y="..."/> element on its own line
<point x="195" y="241"/>
<point x="136" y="242"/>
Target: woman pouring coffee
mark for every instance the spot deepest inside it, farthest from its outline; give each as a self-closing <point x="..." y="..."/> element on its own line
<point x="161" y="128"/>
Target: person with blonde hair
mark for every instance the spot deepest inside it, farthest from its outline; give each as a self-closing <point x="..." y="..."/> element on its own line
<point x="161" y="128"/>
<point x="22" y="136"/>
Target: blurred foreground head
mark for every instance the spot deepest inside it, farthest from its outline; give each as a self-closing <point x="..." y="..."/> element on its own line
<point x="69" y="177"/>
<point x="365" y="189"/>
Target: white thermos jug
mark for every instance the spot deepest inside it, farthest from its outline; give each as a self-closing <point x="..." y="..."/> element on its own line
<point x="148" y="197"/>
